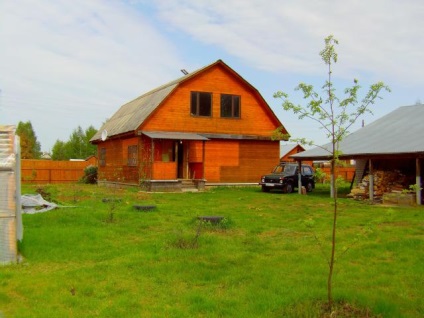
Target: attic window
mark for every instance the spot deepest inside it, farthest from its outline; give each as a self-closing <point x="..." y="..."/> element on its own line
<point x="201" y="104"/>
<point x="230" y="106"/>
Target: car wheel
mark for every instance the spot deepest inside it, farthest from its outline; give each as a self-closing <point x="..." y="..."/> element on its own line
<point x="265" y="189"/>
<point x="288" y="188"/>
<point x="309" y="187"/>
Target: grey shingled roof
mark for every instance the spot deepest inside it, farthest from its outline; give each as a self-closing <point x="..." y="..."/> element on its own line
<point x="399" y="132"/>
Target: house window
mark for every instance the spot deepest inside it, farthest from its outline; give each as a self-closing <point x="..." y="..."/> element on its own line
<point x="201" y="104"/>
<point x="230" y="106"/>
<point x="132" y="155"/>
<point x="102" y="159"/>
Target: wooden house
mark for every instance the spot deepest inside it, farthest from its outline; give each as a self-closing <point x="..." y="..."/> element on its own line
<point x="289" y="149"/>
<point x="210" y="126"/>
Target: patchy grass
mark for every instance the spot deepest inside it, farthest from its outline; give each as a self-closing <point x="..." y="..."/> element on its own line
<point x="268" y="258"/>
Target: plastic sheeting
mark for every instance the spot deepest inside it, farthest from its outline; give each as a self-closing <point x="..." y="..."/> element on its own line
<point x="35" y="203"/>
<point x="7" y="163"/>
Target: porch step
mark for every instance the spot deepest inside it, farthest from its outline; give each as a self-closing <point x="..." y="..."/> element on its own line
<point x="187" y="185"/>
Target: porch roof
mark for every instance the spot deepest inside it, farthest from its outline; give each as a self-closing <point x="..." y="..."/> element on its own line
<point x="173" y="135"/>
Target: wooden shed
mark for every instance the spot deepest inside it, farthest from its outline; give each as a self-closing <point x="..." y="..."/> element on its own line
<point x="392" y="143"/>
<point x="210" y="126"/>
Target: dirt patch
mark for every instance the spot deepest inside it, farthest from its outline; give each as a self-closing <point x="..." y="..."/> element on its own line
<point x="346" y="310"/>
<point x="398" y="224"/>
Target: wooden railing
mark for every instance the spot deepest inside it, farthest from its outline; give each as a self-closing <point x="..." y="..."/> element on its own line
<point x="164" y="170"/>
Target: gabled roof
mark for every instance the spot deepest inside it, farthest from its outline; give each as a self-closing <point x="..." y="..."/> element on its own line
<point x="131" y="115"/>
<point x="285" y="149"/>
<point x="397" y="133"/>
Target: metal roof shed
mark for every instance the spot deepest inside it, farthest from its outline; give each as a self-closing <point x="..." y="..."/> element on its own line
<point x="395" y="135"/>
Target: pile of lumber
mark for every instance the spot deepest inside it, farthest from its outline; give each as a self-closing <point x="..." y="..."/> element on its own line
<point x="384" y="182"/>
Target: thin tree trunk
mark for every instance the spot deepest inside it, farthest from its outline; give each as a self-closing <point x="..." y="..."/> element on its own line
<point x="333" y="238"/>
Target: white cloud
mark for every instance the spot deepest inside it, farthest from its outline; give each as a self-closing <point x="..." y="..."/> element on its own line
<point x="69" y="63"/>
<point x="382" y="37"/>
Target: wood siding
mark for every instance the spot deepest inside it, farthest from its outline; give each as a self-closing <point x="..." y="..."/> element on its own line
<point x="116" y="166"/>
<point x="174" y="114"/>
<point x="164" y="170"/>
<point x="239" y="161"/>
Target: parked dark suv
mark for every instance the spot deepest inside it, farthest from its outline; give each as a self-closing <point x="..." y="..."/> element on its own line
<point x="285" y="177"/>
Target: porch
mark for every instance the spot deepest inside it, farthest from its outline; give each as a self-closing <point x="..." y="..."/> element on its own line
<point x="176" y="185"/>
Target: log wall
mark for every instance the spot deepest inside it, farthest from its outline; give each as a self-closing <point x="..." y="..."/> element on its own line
<point x="114" y="166"/>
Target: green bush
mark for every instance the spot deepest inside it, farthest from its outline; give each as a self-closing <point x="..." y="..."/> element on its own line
<point x="320" y="175"/>
<point x="90" y="175"/>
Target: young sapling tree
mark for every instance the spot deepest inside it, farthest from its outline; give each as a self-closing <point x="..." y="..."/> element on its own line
<point x="335" y="116"/>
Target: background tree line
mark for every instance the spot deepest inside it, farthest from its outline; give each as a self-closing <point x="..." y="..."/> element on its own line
<point x="78" y="145"/>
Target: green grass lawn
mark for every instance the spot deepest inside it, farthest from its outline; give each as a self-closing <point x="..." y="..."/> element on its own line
<point x="267" y="259"/>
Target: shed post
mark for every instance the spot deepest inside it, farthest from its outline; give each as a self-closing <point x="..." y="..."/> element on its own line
<point x="299" y="177"/>
<point x="418" y="180"/>
<point x="371" y="184"/>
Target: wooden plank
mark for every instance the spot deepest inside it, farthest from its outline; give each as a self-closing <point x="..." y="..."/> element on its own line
<point x="164" y="170"/>
<point x="246" y="161"/>
<point x="346" y="173"/>
<point x="50" y="171"/>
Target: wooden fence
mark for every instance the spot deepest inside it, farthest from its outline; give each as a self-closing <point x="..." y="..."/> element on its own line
<point x="346" y="173"/>
<point x="49" y="171"/>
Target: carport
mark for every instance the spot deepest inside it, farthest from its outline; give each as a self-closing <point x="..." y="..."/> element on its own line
<point x="394" y="141"/>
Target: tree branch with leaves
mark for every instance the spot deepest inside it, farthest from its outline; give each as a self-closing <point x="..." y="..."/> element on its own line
<point x="335" y="116"/>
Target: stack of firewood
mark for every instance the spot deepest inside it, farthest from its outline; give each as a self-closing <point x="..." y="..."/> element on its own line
<point x="384" y="182"/>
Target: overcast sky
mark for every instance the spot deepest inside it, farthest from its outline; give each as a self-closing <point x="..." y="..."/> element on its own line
<point x="65" y="64"/>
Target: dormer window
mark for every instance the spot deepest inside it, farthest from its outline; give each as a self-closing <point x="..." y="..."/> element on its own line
<point x="201" y="104"/>
<point x="230" y="106"/>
